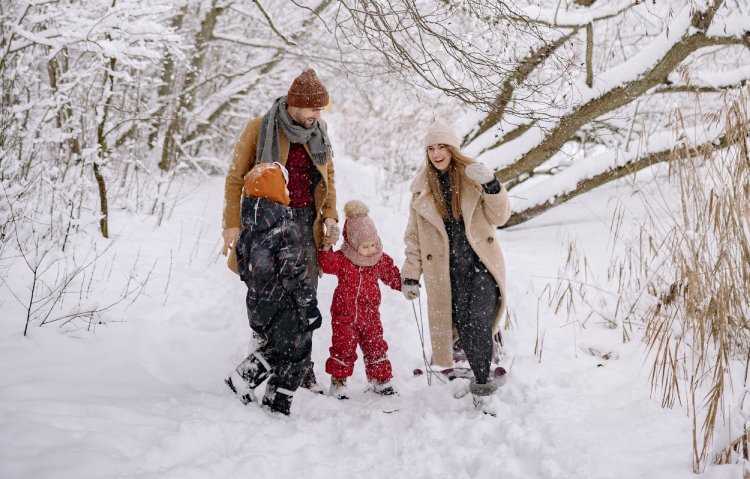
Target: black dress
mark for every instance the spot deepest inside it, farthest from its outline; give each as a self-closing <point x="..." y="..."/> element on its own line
<point x="474" y="292"/>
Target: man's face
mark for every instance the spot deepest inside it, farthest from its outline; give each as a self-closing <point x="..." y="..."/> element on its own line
<point x="305" y="116"/>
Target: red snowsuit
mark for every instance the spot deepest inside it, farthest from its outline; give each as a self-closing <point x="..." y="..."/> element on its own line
<point x="355" y="314"/>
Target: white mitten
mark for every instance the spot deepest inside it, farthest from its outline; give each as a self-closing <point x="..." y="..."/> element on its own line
<point x="479" y="173"/>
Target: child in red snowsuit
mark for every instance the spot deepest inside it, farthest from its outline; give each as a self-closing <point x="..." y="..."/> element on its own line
<point x="355" y="310"/>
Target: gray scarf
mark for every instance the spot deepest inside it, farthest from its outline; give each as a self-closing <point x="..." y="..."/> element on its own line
<point x="268" y="149"/>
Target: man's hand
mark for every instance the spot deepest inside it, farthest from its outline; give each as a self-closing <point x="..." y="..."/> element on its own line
<point x="332" y="231"/>
<point x="231" y="235"/>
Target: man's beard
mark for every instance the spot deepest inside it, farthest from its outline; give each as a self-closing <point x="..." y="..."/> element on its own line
<point x="304" y="123"/>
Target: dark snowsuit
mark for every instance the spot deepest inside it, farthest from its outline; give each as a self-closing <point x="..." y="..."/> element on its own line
<point x="272" y="263"/>
<point x="474" y="292"/>
<point x="355" y="315"/>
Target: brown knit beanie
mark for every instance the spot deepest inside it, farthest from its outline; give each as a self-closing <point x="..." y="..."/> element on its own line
<point x="307" y="91"/>
<point x="358" y="229"/>
<point x="267" y="180"/>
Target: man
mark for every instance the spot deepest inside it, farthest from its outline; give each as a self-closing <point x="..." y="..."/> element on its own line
<point x="293" y="134"/>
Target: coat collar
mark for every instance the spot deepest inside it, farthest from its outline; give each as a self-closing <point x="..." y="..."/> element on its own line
<point x="425" y="206"/>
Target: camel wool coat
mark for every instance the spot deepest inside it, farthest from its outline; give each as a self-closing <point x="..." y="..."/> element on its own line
<point x="242" y="162"/>
<point x="427" y="252"/>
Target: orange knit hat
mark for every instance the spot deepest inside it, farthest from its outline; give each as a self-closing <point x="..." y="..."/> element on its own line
<point x="268" y="180"/>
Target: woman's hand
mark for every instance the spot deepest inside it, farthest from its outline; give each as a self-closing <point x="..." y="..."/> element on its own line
<point x="479" y="173"/>
<point x="410" y="288"/>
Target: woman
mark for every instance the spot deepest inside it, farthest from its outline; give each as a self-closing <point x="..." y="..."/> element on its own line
<point x="450" y="238"/>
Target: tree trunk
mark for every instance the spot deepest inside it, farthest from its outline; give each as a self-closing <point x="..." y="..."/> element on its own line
<point x="167" y="83"/>
<point x="186" y="100"/>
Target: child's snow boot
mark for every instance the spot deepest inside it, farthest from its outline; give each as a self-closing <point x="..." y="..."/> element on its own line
<point x="483" y="397"/>
<point x="240" y="387"/>
<point x="384" y="388"/>
<point x="338" y="388"/>
<point x="254" y="369"/>
<point x="278" y="400"/>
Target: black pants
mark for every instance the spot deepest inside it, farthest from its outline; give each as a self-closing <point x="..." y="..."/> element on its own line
<point x="475" y="297"/>
<point x="283" y="352"/>
<point x="305" y="218"/>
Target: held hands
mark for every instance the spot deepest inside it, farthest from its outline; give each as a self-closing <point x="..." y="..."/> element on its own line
<point x="332" y="232"/>
<point x="479" y="173"/>
<point x="230" y="235"/>
<point x="410" y="288"/>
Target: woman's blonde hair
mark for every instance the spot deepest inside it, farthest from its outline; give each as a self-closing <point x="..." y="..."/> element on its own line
<point x="459" y="161"/>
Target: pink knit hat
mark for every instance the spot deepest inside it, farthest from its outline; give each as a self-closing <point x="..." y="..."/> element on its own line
<point x="358" y="229"/>
<point x="440" y="133"/>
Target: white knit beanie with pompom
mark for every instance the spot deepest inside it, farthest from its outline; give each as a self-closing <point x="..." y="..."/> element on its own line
<point x="441" y="133"/>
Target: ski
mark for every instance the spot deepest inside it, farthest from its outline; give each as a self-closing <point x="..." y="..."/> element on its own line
<point x="498" y="373"/>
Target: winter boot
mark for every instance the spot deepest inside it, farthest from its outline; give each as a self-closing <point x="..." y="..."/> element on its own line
<point x="384" y="388"/>
<point x="278" y="400"/>
<point x="254" y="369"/>
<point x="338" y="388"/>
<point x="459" y="355"/>
<point x="483" y="397"/>
<point x="240" y="387"/>
<point x="310" y="383"/>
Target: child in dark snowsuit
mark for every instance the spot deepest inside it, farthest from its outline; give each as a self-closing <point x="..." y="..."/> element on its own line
<point x="281" y="306"/>
<point x="359" y="264"/>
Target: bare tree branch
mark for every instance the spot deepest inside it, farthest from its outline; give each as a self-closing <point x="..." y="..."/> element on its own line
<point x="272" y="25"/>
<point x="512" y="81"/>
<point x="590" y="55"/>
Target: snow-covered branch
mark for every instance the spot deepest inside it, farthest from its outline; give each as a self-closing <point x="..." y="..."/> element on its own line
<point x="613" y="89"/>
<point x="577" y="17"/>
<point x="590" y="173"/>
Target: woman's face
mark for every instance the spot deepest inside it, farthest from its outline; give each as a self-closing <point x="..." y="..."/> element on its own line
<point x="440" y="156"/>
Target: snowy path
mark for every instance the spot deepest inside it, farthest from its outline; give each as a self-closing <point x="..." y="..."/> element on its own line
<point x="145" y="398"/>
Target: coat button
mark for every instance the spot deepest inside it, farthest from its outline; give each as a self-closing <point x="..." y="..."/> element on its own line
<point x="490" y="239"/>
<point x="429" y="257"/>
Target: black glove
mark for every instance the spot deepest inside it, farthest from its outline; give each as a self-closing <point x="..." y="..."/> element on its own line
<point x="410" y="288"/>
<point x="312" y="318"/>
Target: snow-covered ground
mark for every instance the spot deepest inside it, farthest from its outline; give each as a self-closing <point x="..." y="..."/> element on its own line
<point x="144" y="398"/>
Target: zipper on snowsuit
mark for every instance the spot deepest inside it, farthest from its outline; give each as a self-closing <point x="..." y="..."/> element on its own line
<point x="356" y="296"/>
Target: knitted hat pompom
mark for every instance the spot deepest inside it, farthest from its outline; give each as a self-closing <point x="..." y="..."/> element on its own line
<point x="355" y="209"/>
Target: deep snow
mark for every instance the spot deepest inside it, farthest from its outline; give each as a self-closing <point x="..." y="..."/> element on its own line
<point x="144" y="398"/>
